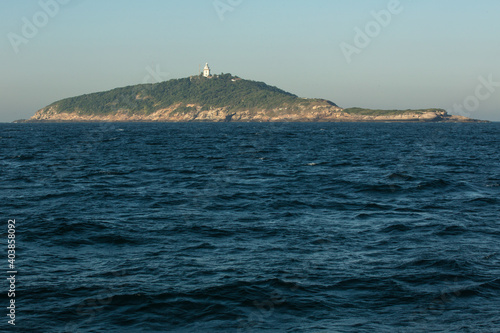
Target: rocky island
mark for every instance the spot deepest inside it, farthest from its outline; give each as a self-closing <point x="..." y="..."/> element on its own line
<point x="218" y="98"/>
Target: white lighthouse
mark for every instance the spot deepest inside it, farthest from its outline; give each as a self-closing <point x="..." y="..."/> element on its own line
<point x="206" y="70"/>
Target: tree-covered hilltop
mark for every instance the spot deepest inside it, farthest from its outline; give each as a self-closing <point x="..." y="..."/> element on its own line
<point x="218" y="91"/>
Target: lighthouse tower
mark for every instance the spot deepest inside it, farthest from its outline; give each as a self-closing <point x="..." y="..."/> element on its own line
<point x="206" y="70"/>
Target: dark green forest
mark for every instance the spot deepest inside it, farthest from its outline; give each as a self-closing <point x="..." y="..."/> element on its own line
<point x="219" y="91"/>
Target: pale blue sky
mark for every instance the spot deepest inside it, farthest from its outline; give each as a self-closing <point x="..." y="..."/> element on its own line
<point x="431" y="54"/>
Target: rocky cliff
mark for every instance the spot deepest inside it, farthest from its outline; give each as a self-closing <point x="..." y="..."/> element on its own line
<point x="318" y="113"/>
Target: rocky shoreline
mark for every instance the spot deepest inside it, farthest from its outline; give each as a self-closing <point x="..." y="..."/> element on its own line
<point x="325" y="113"/>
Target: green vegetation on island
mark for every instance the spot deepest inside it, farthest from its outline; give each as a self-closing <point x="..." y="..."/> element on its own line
<point x="376" y="113"/>
<point x="218" y="91"/>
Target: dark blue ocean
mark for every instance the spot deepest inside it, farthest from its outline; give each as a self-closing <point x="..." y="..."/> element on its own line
<point x="229" y="227"/>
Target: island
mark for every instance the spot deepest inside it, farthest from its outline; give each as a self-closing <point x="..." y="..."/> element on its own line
<point x="218" y="98"/>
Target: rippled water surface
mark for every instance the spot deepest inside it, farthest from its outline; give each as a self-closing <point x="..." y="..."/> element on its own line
<point x="253" y="227"/>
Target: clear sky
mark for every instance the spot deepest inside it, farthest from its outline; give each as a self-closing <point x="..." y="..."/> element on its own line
<point x="418" y="54"/>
